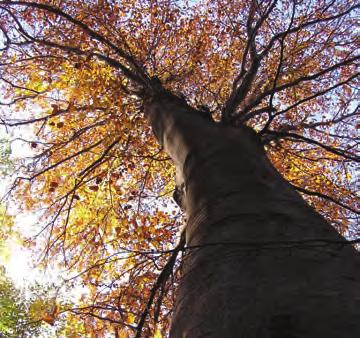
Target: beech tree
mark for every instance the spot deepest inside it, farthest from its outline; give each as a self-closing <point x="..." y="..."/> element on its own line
<point x="251" y="103"/>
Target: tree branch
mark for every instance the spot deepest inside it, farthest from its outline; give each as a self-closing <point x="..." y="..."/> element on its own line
<point x="304" y="25"/>
<point x="329" y="198"/>
<point x="110" y="61"/>
<point x="340" y="152"/>
<point x="240" y="91"/>
<point x="305" y="78"/>
<point x="162" y="278"/>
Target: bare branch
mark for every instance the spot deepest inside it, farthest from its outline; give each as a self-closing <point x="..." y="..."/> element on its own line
<point x="304" y="25"/>
<point x="90" y="32"/>
<point x="327" y="197"/>
<point x="247" y="76"/>
<point x="76" y="50"/>
<point x="299" y="80"/>
<point x="162" y="278"/>
<point x="339" y="152"/>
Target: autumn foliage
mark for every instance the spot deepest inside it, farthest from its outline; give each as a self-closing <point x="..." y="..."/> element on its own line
<point x="77" y="72"/>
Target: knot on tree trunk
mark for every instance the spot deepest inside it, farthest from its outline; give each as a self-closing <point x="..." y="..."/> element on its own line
<point x="179" y="195"/>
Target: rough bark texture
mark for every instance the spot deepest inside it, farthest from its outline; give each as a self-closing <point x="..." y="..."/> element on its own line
<point x="264" y="287"/>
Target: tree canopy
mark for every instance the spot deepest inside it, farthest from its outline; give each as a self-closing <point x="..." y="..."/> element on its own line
<point x="78" y="72"/>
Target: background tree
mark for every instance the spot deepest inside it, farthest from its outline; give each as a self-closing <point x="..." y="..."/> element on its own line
<point x="29" y="308"/>
<point x="19" y="315"/>
<point x="82" y="74"/>
<point x="6" y="165"/>
<point x="15" y="320"/>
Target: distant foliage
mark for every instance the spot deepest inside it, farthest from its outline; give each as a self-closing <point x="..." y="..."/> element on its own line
<point x="6" y="164"/>
<point x="15" y="320"/>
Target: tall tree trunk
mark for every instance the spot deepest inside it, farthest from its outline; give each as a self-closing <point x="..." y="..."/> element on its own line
<point x="253" y="269"/>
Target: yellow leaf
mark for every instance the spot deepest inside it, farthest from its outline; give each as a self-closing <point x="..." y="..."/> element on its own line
<point x="123" y="334"/>
<point x="131" y="318"/>
<point x="157" y="334"/>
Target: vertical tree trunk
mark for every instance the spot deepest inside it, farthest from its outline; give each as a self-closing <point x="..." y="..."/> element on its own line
<point x="253" y="269"/>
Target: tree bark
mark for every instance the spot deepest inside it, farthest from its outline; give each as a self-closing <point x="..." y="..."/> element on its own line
<point x="254" y="267"/>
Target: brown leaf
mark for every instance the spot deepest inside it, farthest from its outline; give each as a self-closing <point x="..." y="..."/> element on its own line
<point x="54" y="184"/>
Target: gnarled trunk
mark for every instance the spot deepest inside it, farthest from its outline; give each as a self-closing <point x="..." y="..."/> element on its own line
<point x="254" y="267"/>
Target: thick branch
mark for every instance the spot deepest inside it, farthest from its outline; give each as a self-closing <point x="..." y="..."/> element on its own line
<point x="299" y="80"/>
<point x="327" y="197"/>
<point x="162" y="278"/>
<point x="110" y="61"/>
<point x="339" y="152"/>
<point x="96" y="36"/>
<point x="241" y="90"/>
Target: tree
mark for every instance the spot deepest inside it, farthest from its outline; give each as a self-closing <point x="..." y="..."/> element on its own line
<point x="31" y="308"/>
<point x="14" y="317"/>
<point x="232" y="90"/>
<point x="17" y="318"/>
<point x="24" y="311"/>
<point x="5" y="162"/>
